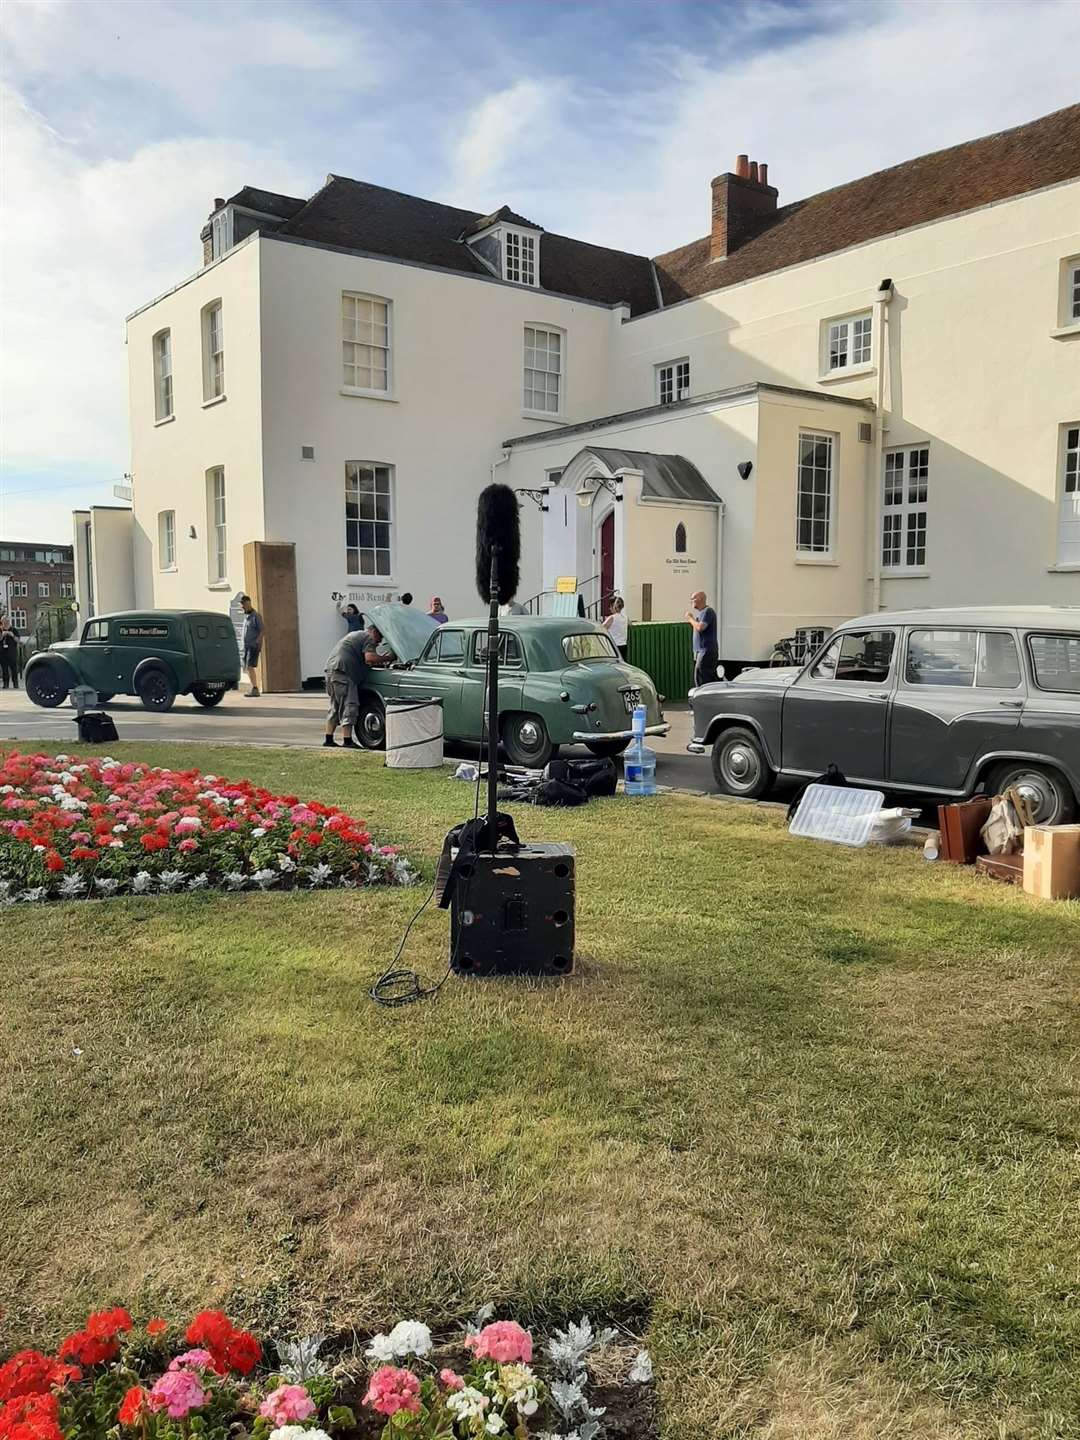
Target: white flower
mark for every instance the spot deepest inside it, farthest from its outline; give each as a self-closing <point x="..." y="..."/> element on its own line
<point x="119" y="829"/>
<point x="297" y="1432"/>
<point x="33" y="896"/>
<point x="495" y="1424"/>
<point x="410" y="1337"/>
<point x="106" y="887"/>
<point x="381" y="1349"/>
<point x="258" y="832"/>
<point x="116" y="844"/>
<point x="264" y="878"/>
<point x="641" y="1370"/>
<point x="142" y="883"/>
<point x="63" y="759"/>
<point x="466" y="1404"/>
<point x="519" y="1386"/>
<point x="69" y="802"/>
<point x="286" y="863"/>
<point x="7" y="789"/>
<point x="39" y="849"/>
<point x="188" y="822"/>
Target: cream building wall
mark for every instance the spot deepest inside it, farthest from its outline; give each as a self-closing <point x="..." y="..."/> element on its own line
<point x="972" y="369"/>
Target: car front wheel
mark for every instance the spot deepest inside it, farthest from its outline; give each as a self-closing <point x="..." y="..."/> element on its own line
<point x="526" y="741"/>
<point x="1048" y="792"/>
<point x="371" y="723"/>
<point x="156" y="690"/>
<point x="45" y="686"/>
<point x="740" y="766"/>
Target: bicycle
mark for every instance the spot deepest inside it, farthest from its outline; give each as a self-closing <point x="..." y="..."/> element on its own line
<point x="787" y="651"/>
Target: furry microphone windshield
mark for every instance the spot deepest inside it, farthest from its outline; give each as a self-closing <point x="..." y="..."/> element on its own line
<point x="497" y="528"/>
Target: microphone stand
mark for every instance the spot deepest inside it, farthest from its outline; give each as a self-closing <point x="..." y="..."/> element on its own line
<point x="493" y="704"/>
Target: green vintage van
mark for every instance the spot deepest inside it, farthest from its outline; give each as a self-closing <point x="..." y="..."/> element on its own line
<point x="154" y="654"/>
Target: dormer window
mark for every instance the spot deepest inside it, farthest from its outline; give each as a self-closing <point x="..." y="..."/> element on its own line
<point x="221" y="231"/>
<point x="519" y="256"/>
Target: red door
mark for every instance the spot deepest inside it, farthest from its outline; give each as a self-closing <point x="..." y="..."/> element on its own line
<point x="607" y="561"/>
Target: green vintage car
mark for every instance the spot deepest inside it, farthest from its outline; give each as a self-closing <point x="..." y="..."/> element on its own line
<point x="154" y="654"/>
<point x="561" y="682"/>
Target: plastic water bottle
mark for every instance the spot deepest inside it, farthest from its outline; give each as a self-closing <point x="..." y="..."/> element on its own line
<point x="639" y="762"/>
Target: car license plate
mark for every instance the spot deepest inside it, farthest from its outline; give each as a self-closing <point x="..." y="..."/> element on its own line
<point x="213" y="685"/>
<point x="631" y="699"/>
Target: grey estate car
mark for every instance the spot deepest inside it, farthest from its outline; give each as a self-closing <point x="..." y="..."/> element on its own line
<point x="935" y="703"/>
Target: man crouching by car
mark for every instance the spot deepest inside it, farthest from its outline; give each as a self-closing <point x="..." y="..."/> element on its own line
<point x="354" y="654"/>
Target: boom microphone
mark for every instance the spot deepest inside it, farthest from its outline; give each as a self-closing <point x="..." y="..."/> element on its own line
<point x="497" y="528"/>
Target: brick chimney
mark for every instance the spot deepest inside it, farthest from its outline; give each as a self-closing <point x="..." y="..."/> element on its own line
<point x="743" y="203"/>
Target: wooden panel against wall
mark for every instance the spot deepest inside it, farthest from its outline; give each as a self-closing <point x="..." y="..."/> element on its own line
<point x="270" y="580"/>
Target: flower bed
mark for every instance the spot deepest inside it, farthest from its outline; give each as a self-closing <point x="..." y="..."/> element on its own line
<point x="113" y="1379"/>
<point x="87" y="829"/>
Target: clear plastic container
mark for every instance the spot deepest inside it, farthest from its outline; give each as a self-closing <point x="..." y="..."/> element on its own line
<point x="639" y="769"/>
<point x="845" y="815"/>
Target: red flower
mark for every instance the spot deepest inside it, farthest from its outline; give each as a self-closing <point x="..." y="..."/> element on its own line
<point x="156" y="1327"/>
<point x="212" y="1329"/>
<point x="243" y="1352"/>
<point x="80" y="852"/>
<point x="33" y="1417"/>
<point x="88" y="1349"/>
<point x="313" y="838"/>
<point x="133" y="1407"/>
<point x="107" y="1324"/>
<point x="152" y="841"/>
<point x="53" y="861"/>
<point x="30" y="1373"/>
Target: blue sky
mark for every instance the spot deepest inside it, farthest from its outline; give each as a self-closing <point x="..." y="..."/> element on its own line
<point x="607" y="120"/>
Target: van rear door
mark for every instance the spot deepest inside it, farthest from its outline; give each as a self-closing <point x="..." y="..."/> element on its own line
<point x="215" y="653"/>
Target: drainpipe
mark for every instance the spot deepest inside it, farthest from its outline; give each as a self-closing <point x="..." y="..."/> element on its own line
<point x="719" y="606"/>
<point x="881" y="309"/>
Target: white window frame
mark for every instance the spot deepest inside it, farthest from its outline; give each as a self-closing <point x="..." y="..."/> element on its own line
<point x="529" y="385"/>
<point x="213" y="352"/>
<point x="67" y="590"/>
<point x="673" y="381"/>
<point x="163" y="377"/>
<point x="905" y="487"/>
<point x="217" y="527"/>
<point x="813" y="554"/>
<point x="520" y="256"/>
<point x="1068" y="300"/>
<point x="221" y="232"/>
<point x="1068" y="507"/>
<point x="362" y="480"/>
<point x="44" y="591"/>
<point x="166" y="539"/>
<point x="18" y="619"/>
<point x="359" y="335"/>
<point x="842" y="338"/>
<point x="20" y="588"/>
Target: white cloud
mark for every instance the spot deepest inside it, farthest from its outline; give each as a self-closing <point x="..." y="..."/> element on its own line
<point x="502" y="136"/>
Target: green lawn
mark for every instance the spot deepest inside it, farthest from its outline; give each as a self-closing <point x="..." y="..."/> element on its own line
<point x="808" y="1116"/>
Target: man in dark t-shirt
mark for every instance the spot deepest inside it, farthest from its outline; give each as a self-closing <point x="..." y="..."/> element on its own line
<point x="702" y="618"/>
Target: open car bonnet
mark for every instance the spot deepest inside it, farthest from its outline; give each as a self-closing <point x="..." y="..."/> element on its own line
<point x="406" y="630"/>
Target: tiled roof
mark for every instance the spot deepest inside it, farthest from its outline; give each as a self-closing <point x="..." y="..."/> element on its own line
<point x="503" y="213"/>
<point x="267" y="202"/>
<point x="358" y="216"/>
<point x="931" y="187"/>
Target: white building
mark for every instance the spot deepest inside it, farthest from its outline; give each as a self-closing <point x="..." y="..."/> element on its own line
<point x="869" y="398"/>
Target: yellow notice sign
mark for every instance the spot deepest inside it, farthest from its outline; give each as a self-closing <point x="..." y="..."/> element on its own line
<point x="565" y="584"/>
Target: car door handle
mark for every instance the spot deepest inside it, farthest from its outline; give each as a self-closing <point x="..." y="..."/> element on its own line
<point x="1011" y="704"/>
<point x="880" y="694"/>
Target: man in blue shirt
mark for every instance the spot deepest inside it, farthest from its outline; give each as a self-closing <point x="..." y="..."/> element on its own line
<point x="253" y="639"/>
<point x="702" y="618"/>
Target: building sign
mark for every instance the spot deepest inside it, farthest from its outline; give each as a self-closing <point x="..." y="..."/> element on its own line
<point x="681" y="564"/>
<point x="130" y="631"/>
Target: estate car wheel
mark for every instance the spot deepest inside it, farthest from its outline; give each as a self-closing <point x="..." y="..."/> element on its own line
<point x="1049" y="793"/>
<point x="526" y="741"/>
<point x="606" y="749"/>
<point x="209" y="698"/>
<point x="45" y="686"/>
<point x="371" y="723"/>
<point x="739" y="764"/>
<point x="156" y="690"/>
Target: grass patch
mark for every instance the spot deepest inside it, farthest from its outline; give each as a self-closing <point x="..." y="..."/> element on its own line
<point x="809" y="1114"/>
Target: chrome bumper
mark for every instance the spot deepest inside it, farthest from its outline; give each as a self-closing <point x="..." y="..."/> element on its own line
<point x="582" y="735"/>
<point x="695" y="747"/>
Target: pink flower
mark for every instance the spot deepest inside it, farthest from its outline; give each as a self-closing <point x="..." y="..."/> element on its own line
<point x="286" y="1403"/>
<point x="451" y="1380"/>
<point x="391" y="1390"/>
<point x="193" y="1360"/>
<point x="504" y="1341"/>
<point x="178" y="1392"/>
<point x="188" y="845"/>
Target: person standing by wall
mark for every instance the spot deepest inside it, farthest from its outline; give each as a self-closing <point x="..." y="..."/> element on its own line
<point x="9" y="655"/>
<point x="253" y="639"/>
<point x="617" y="625"/>
<point x="352" y="617"/>
<point x="436" y="611"/>
<point x="702" y="618"/>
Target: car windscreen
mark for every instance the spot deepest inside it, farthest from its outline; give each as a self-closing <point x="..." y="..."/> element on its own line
<point x="588" y="647"/>
<point x="1055" y="660"/>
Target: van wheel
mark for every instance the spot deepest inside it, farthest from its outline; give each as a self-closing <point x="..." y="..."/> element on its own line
<point x="370" y="725"/>
<point x="526" y="741"/>
<point x="45" y="686"/>
<point x="739" y="763"/>
<point x="1048" y="792"/>
<point x="207" y="698"/>
<point x="156" y="690"/>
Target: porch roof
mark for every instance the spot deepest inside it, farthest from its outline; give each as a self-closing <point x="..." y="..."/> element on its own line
<point x="664" y="477"/>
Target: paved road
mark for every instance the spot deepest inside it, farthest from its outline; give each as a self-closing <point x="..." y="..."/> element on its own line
<point x="294" y="719"/>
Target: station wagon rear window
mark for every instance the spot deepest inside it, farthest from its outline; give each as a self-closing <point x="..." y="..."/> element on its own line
<point x="1056" y="662"/>
<point x="588" y="647"/>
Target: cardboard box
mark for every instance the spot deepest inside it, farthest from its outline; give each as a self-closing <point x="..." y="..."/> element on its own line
<point x="1052" y="861"/>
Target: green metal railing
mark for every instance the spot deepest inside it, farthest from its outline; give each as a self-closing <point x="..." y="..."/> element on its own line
<point x="664" y="650"/>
